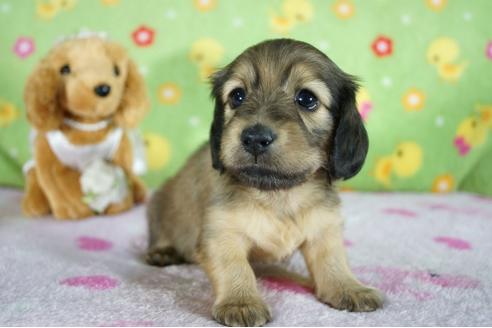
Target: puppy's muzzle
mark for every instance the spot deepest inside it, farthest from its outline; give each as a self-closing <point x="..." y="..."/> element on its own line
<point x="257" y="139"/>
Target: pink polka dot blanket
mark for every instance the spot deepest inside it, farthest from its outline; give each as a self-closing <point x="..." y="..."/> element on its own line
<point x="429" y="254"/>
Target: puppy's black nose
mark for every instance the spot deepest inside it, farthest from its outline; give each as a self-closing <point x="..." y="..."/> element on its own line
<point x="102" y="90"/>
<point x="257" y="138"/>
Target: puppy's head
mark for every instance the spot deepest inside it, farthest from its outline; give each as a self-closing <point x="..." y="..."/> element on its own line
<point x="86" y="78"/>
<point x="284" y="110"/>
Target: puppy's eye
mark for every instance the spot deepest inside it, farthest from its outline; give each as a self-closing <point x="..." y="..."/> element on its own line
<point x="307" y="100"/>
<point x="65" y="70"/>
<point x="236" y="97"/>
<point x="116" y="70"/>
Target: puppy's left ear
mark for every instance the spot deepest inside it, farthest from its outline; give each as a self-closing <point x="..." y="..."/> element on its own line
<point x="350" y="143"/>
<point x="134" y="101"/>
<point x="218" y="79"/>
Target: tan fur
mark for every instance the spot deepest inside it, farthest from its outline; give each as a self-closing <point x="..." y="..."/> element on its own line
<point x="222" y="222"/>
<point x="50" y="97"/>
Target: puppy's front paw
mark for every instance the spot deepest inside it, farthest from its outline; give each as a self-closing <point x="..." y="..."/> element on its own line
<point x="241" y="312"/>
<point x="357" y="298"/>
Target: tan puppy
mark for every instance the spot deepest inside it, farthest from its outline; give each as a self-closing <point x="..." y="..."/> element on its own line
<point x="285" y="126"/>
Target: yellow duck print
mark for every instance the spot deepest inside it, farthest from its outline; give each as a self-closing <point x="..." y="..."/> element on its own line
<point x="8" y="113"/>
<point x="205" y="5"/>
<point x="293" y="13"/>
<point x="157" y="151"/>
<point x="404" y="162"/>
<point x="473" y="130"/>
<point x="48" y="9"/>
<point x="444" y="54"/>
<point x="206" y="53"/>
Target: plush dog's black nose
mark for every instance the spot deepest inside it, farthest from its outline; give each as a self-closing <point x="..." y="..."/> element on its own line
<point x="257" y="138"/>
<point x="102" y="90"/>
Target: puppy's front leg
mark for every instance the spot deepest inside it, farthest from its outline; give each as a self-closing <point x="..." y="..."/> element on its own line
<point x="335" y="284"/>
<point x="224" y="256"/>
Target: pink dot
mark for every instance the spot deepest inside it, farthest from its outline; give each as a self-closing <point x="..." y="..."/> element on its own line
<point x="364" y="109"/>
<point x="462" y="146"/>
<point x="91" y="282"/>
<point x="488" y="50"/>
<point x="280" y="284"/>
<point x="347" y="243"/>
<point x="24" y="47"/>
<point x="93" y="244"/>
<point x="455" y="243"/>
<point x="400" y="212"/>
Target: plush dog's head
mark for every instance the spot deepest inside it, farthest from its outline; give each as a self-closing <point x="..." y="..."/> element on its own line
<point x="283" y="111"/>
<point x="88" y="79"/>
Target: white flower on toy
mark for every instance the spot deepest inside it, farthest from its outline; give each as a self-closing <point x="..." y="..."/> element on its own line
<point x="103" y="183"/>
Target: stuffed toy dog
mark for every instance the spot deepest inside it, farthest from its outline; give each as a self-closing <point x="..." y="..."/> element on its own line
<point x="82" y="100"/>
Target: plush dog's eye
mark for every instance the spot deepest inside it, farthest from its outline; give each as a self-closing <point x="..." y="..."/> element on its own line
<point x="116" y="70"/>
<point x="307" y="100"/>
<point x="65" y="69"/>
<point x="236" y="97"/>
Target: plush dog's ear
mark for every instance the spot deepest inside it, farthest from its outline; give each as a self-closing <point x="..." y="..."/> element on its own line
<point x="134" y="101"/>
<point x="41" y="97"/>
<point x="350" y="143"/>
<point x="218" y="79"/>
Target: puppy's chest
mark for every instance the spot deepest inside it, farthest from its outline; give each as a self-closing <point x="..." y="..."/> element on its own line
<point x="274" y="237"/>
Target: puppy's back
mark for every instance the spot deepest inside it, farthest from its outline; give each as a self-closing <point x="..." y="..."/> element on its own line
<point x="175" y="211"/>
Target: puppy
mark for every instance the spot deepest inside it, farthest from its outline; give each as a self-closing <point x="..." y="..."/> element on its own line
<point x="285" y="128"/>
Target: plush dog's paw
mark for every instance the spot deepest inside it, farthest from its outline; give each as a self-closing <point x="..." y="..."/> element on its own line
<point x="122" y="206"/>
<point x="139" y="191"/>
<point x="357" y="298"/>
<point x="70" y="211"/>
<point x="241" y="313"/>
<point x="164" y="256"/>
<point x="35" y="205"/>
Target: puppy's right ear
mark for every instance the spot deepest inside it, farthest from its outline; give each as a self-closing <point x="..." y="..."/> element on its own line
<point x="350" y="143"/>
<point x="218" y="79"/>
<point x="41" y="98"/>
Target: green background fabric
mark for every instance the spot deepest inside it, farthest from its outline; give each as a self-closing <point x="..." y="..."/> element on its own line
<point x="429" y="123"/>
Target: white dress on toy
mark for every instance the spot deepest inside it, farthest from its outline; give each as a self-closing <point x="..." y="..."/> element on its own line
<point x="102" y="182"/>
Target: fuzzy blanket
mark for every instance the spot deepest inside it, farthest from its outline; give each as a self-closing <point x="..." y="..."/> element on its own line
<point x="430" y="255"/>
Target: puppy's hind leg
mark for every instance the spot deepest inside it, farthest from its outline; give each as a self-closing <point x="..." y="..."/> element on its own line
<point x="160" y="251"/>
<point x="164" y="256"/>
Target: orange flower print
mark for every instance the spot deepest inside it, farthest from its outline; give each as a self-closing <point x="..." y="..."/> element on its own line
<point x="413" y="100"/>
<point x="205" y="5"/>
<point x="110" y="2"/>
<point x="343" y="9"/>
<point x="143" y="36"/>
<point x="443" y="183"/>
<point x="8" y="113"/>
<point x="169" y="94"/>
<point x="437" y="5"/>
<point x="382" y="46"/>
